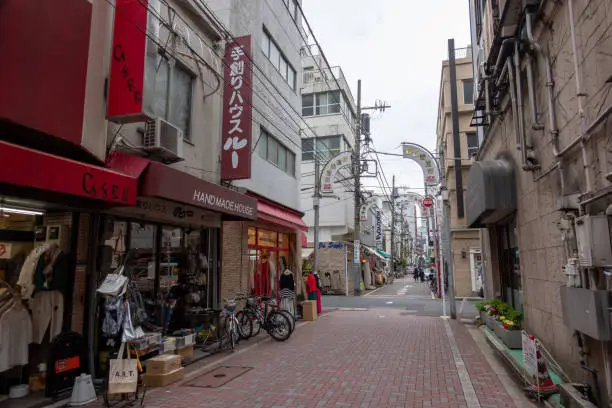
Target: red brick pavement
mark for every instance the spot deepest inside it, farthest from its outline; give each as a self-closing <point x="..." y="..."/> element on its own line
<point x="351" y="359"/>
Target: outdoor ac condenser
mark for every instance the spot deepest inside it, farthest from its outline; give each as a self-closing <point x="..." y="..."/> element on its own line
<point x="163" y="140"/>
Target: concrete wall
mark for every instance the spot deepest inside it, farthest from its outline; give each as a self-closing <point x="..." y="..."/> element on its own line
<point x="461" y="237"/>
<point x="540" y="245"/>
<point x="276" y="106"/>
<point x="202" y="152"/>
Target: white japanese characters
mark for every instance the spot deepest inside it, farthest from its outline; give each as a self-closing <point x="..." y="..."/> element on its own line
<point x="234" y="141"/>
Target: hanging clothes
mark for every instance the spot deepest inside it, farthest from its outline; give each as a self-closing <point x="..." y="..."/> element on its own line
<point x="318" y="293"/>
<point x="287" y="292"/>
<point x="311" y="287"/>
<point x="26" y="276"/>
<point x="15" y="334"/>
<point x="52" y="271"/>
<point x="47" y="313"/>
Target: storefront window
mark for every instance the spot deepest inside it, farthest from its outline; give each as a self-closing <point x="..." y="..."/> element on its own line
<point x="266" y="238"/>
<point x="142" y="257"/>
<point x="268" y="258"/>
<point x="171" y="262"/>
<point x="118" y="243"/>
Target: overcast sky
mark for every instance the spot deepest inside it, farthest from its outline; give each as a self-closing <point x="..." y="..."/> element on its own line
<point x="396" y="48"/>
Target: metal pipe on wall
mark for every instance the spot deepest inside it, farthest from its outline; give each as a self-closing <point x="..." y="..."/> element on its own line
<point x="550" y="83"/>
<point x="580" y="96"/>
<point x="512" y="87"/>
<point x="520" y="104"/>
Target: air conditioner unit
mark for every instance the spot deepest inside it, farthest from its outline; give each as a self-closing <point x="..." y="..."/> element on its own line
<point x="163" y="141"/>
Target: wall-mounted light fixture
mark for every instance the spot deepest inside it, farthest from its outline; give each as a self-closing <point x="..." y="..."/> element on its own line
<point x="19" y="211"/>
<point x="463" y="253"/>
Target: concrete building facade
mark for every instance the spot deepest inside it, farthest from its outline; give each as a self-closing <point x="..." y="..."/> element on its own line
<point x="465" y="242"/>
<point x="544" y="104"/>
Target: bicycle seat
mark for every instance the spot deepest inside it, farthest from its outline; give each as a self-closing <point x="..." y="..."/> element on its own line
<point x="230" y="307"/>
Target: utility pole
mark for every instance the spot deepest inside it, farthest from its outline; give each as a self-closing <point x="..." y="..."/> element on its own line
<point x="357" y="193"/>
<point x="458" y="176"/>
<point x="393" y="226"/>
<point x="316" y="201"/>
<point x="357" y="196"/>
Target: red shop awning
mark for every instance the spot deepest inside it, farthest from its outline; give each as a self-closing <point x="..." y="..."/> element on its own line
<point x="159" y="180"/>
<point x="32" y="168"/>
<point x="279" y="216"/>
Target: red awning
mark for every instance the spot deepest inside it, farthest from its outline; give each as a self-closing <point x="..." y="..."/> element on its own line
<point x="32" y="168"/>
<point x="278" y="216"/>
<point x="159" y="180"/>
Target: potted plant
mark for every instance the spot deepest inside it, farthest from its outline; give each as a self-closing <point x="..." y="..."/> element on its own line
<point x="509" y="328"/>
<point x="482" y="310"/>
<point x="492" y="310"/>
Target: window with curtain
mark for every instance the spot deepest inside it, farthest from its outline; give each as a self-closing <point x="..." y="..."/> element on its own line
<point x="176" y="107"/>
<point x="273" y="52"/>
<point x="325" y="148"/>
<point x="468" y="91"/>
<point x="270" y="149"/>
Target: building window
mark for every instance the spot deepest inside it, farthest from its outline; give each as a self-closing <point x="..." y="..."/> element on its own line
<point x="472" y="144"/>
<point x="325" y="148"/>
<point x="323" y="103"/>
<point x="468" y="91"/>
<point x="270" y="149"/>
<point x="272" y="51"/>
<point x="292" y="7"/>
<point x="176" y="107"/>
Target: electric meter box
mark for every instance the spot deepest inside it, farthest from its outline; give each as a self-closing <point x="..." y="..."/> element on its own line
<point x="593" y="239"/>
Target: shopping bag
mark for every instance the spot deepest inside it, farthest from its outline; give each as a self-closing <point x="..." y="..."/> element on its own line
<point x="130" y="332"/>
<point x="123" y="374"/>
<point x="114" y="283"/>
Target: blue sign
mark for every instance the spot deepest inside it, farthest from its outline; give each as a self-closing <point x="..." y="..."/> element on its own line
<point x="330" y="245"/>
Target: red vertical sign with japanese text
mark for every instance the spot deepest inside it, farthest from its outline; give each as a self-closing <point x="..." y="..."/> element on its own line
<point x="236" y="136"/>
<point x="127" y="70"/>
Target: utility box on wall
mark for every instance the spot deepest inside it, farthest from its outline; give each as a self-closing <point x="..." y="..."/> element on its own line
<point x="593" y="238"/>
<point x="588" y="311"/>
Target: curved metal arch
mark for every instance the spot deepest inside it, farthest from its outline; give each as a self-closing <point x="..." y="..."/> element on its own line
<point x="331" y="168"/>
<point x="370" y="202"/>
<point x="423" y="157"/>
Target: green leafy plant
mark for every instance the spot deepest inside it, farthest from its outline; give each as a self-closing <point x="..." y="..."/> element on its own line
<point x="482" y="305"/>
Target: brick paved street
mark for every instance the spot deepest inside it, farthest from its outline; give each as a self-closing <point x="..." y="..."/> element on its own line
<point x="376" y="358"/>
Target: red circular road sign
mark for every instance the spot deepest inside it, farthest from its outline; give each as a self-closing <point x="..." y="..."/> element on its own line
<point x="428" y="202"/>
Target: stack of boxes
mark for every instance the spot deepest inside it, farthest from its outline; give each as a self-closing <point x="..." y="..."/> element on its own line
<point x="164" y="370"/>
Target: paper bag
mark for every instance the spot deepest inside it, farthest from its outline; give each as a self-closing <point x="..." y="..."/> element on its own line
<point x="123" y="373"/>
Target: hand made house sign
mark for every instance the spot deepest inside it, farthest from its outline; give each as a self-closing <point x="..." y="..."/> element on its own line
<point x="237" y="110"/>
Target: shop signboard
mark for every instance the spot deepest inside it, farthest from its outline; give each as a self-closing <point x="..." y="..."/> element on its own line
<point x="356" y="249"/>
<point x="5" y="250"/>
<point x="330" y="170"/>
<point x="323" y="245"/>
<point x="530" y="354"/>
<point x="237" y="110"/>
<point x="423" y="158"/>
<point x="378" y="228"/>
<point x="172" y="213"/>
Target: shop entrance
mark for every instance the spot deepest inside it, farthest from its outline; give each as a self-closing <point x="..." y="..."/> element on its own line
<point x="509" y="264"/>
<point x="269" y="255"/>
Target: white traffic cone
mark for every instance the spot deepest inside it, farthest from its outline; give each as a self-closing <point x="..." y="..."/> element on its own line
<point x="83" y="391"/>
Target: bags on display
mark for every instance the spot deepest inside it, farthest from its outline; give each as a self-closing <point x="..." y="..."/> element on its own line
<point x="123" y="373"/>
<point x="114" y="283"/>
<point x="114" y="311"/>
<point x="137" y="307"/>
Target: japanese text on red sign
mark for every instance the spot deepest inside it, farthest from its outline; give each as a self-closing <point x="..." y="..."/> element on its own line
<point x="234" y="141"/>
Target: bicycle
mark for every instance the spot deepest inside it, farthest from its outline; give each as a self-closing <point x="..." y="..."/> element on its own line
<point x="277" y="323"/>
<point x="233" y="329"/>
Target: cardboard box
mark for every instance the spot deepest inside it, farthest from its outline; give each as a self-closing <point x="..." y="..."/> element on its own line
<point x="309" y="310"/>
<point x="185" y="352"/>
<point x="163" y="364"/>
<point x="162" y="380"/>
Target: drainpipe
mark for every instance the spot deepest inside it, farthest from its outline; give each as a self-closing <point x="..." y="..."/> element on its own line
<point x="552" y="113"/>
<point x="520" y="105"/>
<point x="535" y="125"/>
<point x="512" y="87"/>
<point x="580" y="96"/>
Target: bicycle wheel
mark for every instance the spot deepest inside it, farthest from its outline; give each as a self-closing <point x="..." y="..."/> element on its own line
<point x="278" y="325"/>
<point x="291" y="319"/>
<point x="230" y="332"/>
<point x="246" y="325"/>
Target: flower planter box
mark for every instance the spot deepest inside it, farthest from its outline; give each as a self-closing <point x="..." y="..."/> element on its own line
<point x="483" y="317"/>
<point x="511" y="338"/>
<point x="491" y="322"/>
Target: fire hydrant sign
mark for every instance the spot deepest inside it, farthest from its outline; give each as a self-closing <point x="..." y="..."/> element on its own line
<point x="5" y="250"/>
<point x="530" y="354"/>
<point x="237" y="110"/>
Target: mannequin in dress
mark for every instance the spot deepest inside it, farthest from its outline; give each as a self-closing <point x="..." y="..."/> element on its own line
<point x="287" y="291"/>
